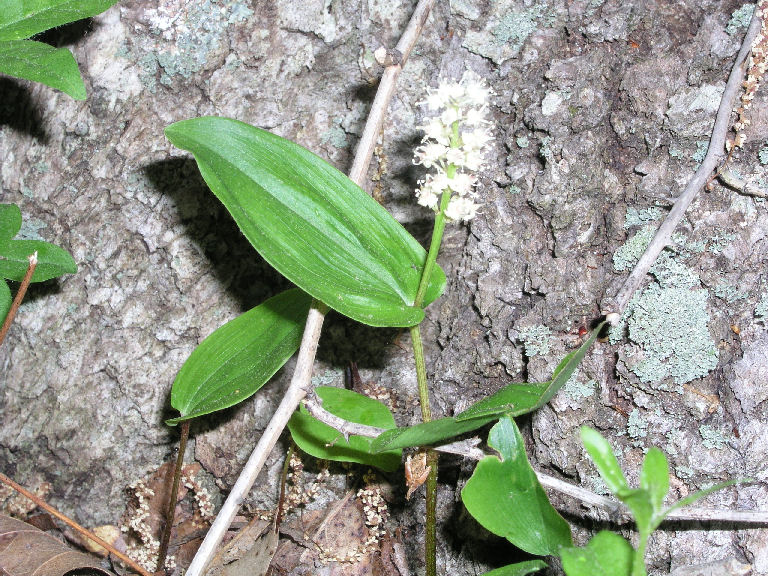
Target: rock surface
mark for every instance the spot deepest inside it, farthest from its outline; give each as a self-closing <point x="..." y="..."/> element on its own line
<point x="602" y="111"/>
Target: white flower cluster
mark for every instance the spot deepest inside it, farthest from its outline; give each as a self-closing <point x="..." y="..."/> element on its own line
<point x="454" y="144"/>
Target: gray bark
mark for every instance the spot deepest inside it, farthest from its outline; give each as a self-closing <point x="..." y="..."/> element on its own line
<point x="599" y="107"/>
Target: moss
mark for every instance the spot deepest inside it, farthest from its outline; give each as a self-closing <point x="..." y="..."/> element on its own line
<point x="670" y="326"/>
<point x="740" y="19"/>
<point x="536" y="340"/>
<point x="629" y="253"/>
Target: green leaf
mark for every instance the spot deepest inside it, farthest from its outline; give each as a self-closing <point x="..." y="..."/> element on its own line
<point x="427" y="433"/>
<point x="505" y="496"/>
<point x="639" y="503"/>
<point x="10" y="222"/>
<point x="519" y="569"/>
<point x="5" y="300"/>
<point x="52" y="261"/>
<point x="607" y="554"/>
<point x="236" y="360"/>
<point x="322" y="441"/>
<point x="39" y="62"/>
<point x="24" y="18"/>
<point x="518" y="399"/>
<point x="311" y="222"/>
<point x="605" y="461"/>
<point x="691" y="498"/>
<point x="654" y="478"/>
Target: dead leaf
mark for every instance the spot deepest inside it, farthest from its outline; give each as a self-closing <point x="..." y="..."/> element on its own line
<point x="239" y="547"/>
<point x="26" y="551"/>
<point x="416" y="472"/>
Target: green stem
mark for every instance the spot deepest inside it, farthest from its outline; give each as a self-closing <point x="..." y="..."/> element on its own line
<point x="638" y="561"/>
<point x="430" y="539"/>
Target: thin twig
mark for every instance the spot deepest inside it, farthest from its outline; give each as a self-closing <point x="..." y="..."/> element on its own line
<point x="19" y="296"/>
<point x="302" y="375"/>
<point x="663" y="236"/>
<point x="173" y="498"/>
<point x="468" y="448"/>
<point x="74" y="525"/>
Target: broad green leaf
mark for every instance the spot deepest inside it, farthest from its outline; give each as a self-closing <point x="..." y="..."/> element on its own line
<point x="607" y="554"/>
<point x="518" y="399"/>
<point x="5" y="300"/>
<point x="39" y="62"/>
<point x="605" y="461"/>
<point x="427" y="433"/>
<point x="52" y="261"/>
<point x="654" y="477"/>
<point x="505" y="496"/>
<point x="639" y="503"/>
<point x="236" y="360"/>
<point x="24" y="18"/>
<point x="10" y="222"/>
<point x="322" y="441"/>
<point x="519" y="569"/>
<point x="310" y="222"/>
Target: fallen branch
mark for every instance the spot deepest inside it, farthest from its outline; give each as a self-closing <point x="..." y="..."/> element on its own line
<point x="40" y="503"/>
<point x="615" y="306"/>
<point x="614" y="509"/>
<point x="302" y="375"/>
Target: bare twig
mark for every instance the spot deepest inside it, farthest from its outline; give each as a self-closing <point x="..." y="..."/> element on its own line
<point x="715" y="153"/>
<point x="74" y="525"/>
<point x="302" y="375"/>
<point x="469" y="449"/>
<point x="19" y="296"/>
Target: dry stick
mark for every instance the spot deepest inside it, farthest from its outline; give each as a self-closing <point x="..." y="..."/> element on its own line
<point x="715" y="152"/>
<point x="173" y="497"/>
<point x="302" y="375"/>
<point x="469" y="449"/>
<point x="74" y="525"/>
<point x="19" y="296"/>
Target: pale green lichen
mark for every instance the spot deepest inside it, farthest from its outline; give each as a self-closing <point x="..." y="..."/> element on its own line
<point x="536" y="340"/>
<point x="670" y="272"/>
<point x="514" y="27"/>
<point x="545" y="151"/>
<point x="576" y="390"/>
<point x="702" y="146"/>
<point x="712" y="438"/>
<point x="514" y="189"/>
<point x="30" y="229"/>
<point x="761" y="310"/>
<point x="670" y="326"/>
<point x="327" y="378"/>
<point x="335" y="136"/>
<point x="522" y="141"/>
<point x="684" y="472"/>
<point x="740" y="19"/>
<point x="637" y="427"/>
<point x="729" y="293"/>
<point x="629" y="253"/>
<point x="763" y="155"/>
<point x="720" y="241"/>
<point x="641" y="216"/>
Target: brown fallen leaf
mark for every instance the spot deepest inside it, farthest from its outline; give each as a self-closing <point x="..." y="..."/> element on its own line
<point x="26" y="551"/>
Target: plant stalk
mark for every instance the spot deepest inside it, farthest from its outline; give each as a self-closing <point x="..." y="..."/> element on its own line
<point x="638" y="560"/>
<point x="172" y="498"/>
<point x="430" y="538"/>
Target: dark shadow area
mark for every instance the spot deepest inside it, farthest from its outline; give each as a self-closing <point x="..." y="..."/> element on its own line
<point x="18" y="111"/>
<point x="235" y="263"/>
<point x="67" y="34"/>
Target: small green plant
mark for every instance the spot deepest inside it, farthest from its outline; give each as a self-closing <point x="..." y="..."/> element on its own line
<point x="22" y="57"/>
<point x="50" y="261"/>
<point x="505" y="496"/>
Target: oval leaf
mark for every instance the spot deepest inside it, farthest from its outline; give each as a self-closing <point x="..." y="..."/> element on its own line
<point x="236" y="360"/>
<point x="607" y="554"/>
<point x="654" y="478"/>
<point x="505" y="496"/>
<point x="323" y="441"/>
<point x="605" y="461"/>
<point x="52" y="261"/>
<point x="5" y="300"/>
<point x="309" y="221"/>
<point x="24" y="18"/>
<point x="39" y="62"/>
<point x="428" y="433"/>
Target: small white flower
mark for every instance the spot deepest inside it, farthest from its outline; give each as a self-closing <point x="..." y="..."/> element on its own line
<point x="429" y="154"/>
<point x="455" y="156"/>
<point x="461" y="208"/>
<point x="462" y="183"/>
<point x="437" y="131"/>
